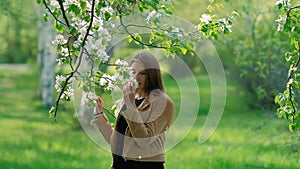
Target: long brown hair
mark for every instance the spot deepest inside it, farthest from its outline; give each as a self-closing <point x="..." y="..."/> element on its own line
<point x="152" y="69"/>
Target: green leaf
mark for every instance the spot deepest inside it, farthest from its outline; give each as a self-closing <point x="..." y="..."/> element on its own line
<point x="74" y="8"/>
<point x="288" y="56"/>
<point x="59" y="27"/>
<point x="214" y="35"/>
<point x="85" y="89"/>
<point x="151" y="40"/>
<point x="52" y="112"/>
<point x="73" y="30"/>
<point x="83" y="6"/>
<point x="292" y="127"/>
<point x="183" y="50"/>
<point x="45" y="18"/>
<point x="107" y="16"/>
<point x="130" y="39"/>
<point x="137" y="38"/>
<point x="219" y="6"/>
<point x="210" y="8"/>
<point x="234" y="13"/>
<point x="276" y="100"/>
<point x="166" y="44"/>
<point x="203" y="28"/>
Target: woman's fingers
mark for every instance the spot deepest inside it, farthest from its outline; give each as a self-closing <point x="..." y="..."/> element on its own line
<point x="99" y="104"/>
<point x="129" y="89"/>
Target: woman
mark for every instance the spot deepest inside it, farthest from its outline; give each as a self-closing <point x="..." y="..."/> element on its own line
<point x="137" y="140"/>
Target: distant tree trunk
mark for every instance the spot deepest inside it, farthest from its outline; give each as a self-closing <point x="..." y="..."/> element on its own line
<point x="46" y="60"/>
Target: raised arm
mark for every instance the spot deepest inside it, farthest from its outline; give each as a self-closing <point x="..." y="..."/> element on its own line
<point x="101" y="121"/>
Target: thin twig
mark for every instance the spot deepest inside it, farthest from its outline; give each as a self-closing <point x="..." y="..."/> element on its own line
<point x="52" y="14"/>
<point x="63" y="12"/>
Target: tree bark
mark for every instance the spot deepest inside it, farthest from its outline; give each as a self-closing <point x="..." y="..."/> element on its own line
<point x="46" y="60"/>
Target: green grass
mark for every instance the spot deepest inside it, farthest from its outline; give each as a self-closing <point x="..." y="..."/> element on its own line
<point x="245" y="139"/>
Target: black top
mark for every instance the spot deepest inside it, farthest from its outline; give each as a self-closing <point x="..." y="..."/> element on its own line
<point x="121" y="125"/>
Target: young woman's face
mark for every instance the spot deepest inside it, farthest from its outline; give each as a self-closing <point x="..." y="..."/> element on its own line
<point x="139" y="74"/>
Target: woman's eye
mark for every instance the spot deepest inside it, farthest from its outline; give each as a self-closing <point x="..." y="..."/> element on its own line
<point x="143" y="73"/>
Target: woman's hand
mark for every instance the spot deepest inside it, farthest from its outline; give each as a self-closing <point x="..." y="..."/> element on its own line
<point x="129" y="95"/>
<point x="99" y="105"/>
<point x="98" y="113"/>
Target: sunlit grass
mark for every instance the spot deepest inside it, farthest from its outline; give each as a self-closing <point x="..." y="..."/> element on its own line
<point x="244" y="139"/>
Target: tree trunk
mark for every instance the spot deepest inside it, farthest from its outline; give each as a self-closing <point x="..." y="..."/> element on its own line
<point x="46" y="60"/>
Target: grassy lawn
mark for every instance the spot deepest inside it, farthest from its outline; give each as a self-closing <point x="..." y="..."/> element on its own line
<point x="245" y="139"/>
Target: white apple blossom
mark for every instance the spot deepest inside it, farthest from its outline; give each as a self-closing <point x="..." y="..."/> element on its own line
<point x="98" y="22"/>
<point x="59" y="79"/>
<point x="68" y="94"/>
<point x="108" y="80"/>
<point x="67" y="3"/>
<point x="152" y="15"/>
<point x="283" y="2"/>
<point x="102" y="55"/>
<point x="89" y="99"/>
<point x="119" y="79"/>
<point x="103" y="33"/>
<point x="59" y="61"/>
<point x="54" y="3"/>
<point x="64" y="51"/>
<point x="225" y="25"/>
<point x="59" y="40"/>
<point x="205" y="18"/>
<point x="121" y="62"/>
<point x="281" y="21"/>
<point x="107" y="9"/>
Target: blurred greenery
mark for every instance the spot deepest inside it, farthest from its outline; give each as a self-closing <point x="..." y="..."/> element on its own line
<point x="245" y="138"/>
<point x="18" y="31"/>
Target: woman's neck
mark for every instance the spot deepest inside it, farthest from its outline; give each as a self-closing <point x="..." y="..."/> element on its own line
<point x="141" y="95"/>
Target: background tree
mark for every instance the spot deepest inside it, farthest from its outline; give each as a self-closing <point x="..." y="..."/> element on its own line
<point x="257" y="53"/>
<point x="18" y="32"/>
<point x="288" y="101"/>
<point x="46" y="59"/>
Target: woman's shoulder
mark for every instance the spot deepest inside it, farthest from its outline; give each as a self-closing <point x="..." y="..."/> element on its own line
<point x="159" y="95"/>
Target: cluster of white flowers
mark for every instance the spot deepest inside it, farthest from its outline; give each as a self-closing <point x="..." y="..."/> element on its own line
<point x="59" y="61"/>
<point x="205" y="18"/>
<point x="67" y="3"/>
<point x="152" y="15"/>
<point x="59" y="40"/>
<point x="122" y="65"/>
<point x="98" y="43"/>
<point x="68" y="94"/>
<point x="108" y="80"/>
<point x="120" y="80"/>
<point x="54" y="3"/>
<point x="121" y="62"/>
<point x="107" y="9"/>
<point x="224" y="24"/>
<point x="89" y="99"/>
<point x="64" y="51"/>
<point x="281" y="21"/>
<point x="59" y="79"/>
<point x="283" y="2"/>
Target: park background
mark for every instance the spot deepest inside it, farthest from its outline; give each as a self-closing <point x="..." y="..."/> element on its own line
<point x="250" y="135"/>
